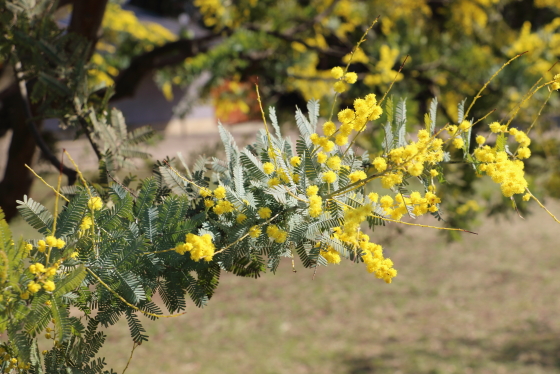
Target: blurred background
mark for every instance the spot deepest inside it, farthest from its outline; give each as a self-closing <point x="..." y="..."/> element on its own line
<point x="481" y="303"/>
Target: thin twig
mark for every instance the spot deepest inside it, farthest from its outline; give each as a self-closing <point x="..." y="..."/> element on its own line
<point x="134" y="346"/>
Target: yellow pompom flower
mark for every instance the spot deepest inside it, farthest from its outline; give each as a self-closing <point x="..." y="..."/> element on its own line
<point x="465" y="125"/>
<point x="95" y="203"/>
<point x="268" y="168"/>
<point x="28" y="247"/>
<point x="331" y="255"/>
<point x="527" y="197"/>
<point x="434" y="173"/>
<point x="33" y="287"/>
<point x="340" y="87"/>
<point x="87" y="222"/>
<point x="220" y="193"/>
<point x="51" y="241"/>
<point x="208" y="203"/>
<point x="295" y="161"/>
<point x="337" y="72"/>
<point x="357" y="175"/>
<point x="346" y="115"/>
<point x="380" y="164"/>
<point x="329" y="177"/>
<point x="49" y="286"/>
<point x="458" y="143"/>
<point x="264" y="212"/>
<point x="341" y="140"/>
<point x="254" y="232"/>
<point x="495" y="127"/>
<point x="328" y="146"/>
<point x="523" y="152"/>
<point x="334" y="162"/>
<point x="314" y="138"/>
<point x="321" y="158"/>
<point x="205" y="192"/>
<point x="480" y="140"/>
<point x="60" y="243"/>
<point x="312" y="191"/>
<point x="240" y="218"/>
<point x="41" y="246"/>
<point x="373" y="196"/>
<point x="329" y="128"/>
<point x="351" y="77"/>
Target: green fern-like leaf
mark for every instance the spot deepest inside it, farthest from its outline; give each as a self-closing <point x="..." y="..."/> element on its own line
<point x="36" y="215"/>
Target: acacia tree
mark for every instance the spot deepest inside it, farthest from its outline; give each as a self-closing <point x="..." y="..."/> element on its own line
<point x="287" y="45"/>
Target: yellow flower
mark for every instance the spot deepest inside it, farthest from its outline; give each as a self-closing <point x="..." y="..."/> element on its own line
<point x="312" y="190"/>
<point x="95" y="203"/>
<point x="465" y="125"/>
<point x="295" y="161"/>
<point x="329" y="177"/>
<point x="380" y="164"/>
<point x="264" y="212"/>
<point x="329" y="128"/>
<point x="346" y="115"/>
<point x="334" y="162"/>
<point x="340" y="87"/>
<point x="204" y="192"/>
<point x="495" y="127"/>
<point x="458" y="143"/>
<point x="268" y="168"/>
<point x="321" y="158"/>
<point x="357" y="175"/>
<point x="373" y="196"/>
<point x="337" y="72"/>
<point x="351" y="77"/>
<point x="254" y="232"/>
<point x="240" y="218"/>
<point x="49" y="286"/>
<point x="28" y="247"/>
<point x="33" y="287"/>
<point x="60" y="243"/>
<point x="220" y="192"/>
<point x="51" y="241"/>
<point x="480" y="140"/>
<point x="208" y="203"/>
<point x="86" y="223"/>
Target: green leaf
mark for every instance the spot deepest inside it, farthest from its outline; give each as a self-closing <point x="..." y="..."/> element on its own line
<point x="35" y="215"/>
<point x="70" y="217"/>
<point x="70" y="282"/>
<point x="146" y="196"/>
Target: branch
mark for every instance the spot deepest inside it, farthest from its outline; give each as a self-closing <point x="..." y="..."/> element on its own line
<point x="70" y="173"/>
<point x="168" y="54"/>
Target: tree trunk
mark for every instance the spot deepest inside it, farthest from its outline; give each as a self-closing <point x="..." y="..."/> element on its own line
<point x="87" y="16"/>
<point x="17" y="179"/>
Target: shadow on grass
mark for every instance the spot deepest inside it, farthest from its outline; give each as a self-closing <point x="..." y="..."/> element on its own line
<point x="538" y="346"/>
<point x="531" y="348"/>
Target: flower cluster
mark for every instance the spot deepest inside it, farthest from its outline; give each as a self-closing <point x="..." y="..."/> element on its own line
<point x="278" y="235"/>
<point x="50" y="242"/>
<point x="351" y="120"/>
<point x="198" y="246"/>
<point x="506" y="171"/>
<point x="315" y="201"/>
<point x="42" y="278"/>
<point x="10" y="363"/>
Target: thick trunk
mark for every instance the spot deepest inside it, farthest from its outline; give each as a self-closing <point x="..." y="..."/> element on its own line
<point x="17" y="179"/>
<point x="87" y="16"/>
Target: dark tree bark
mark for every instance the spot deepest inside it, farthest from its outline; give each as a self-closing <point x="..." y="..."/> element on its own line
<point x="87" y="16"/>
<point x="17" y="179"/>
